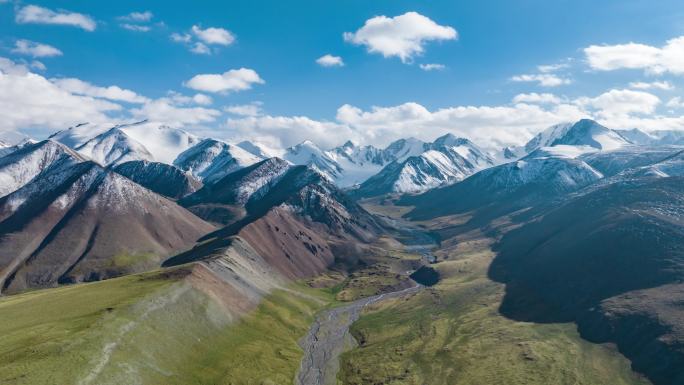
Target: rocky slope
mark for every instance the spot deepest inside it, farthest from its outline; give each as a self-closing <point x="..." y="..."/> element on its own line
<point x="84" y="223"/>
<point x="161" y="178"/>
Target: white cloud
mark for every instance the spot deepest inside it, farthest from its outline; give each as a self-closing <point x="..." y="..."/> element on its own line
<point x="664" y="85"/>
<point x="402" y="36"/>
<point x="31" y="48"/>
<point x="283" y="131"/>
<point x="536" y="98"/>
<point x="181" y="37"/>
<point x="548" y="68"/>
<point x="138" y="17"/>
<point x="38" y="65"/>
<point x="654" y="60"/>
<point x="252" y="109"/>
<point x="213" y="35"/>
<point x="544" y="80"/>
<point x="229" y="81"/>
<point x="39" y="15"/>
<point x="80" y="87"/>
<point x="136" y="27"/>
<point x="167" y="111"/>
<point x="330" y="61"/>
<point x="30" y="101"/>
<point x="621" y="103"/>
<point x="202" y="99"/>
<point x="432" y="67"/>
<point x="675" y="102"/>
<point x="490" y="126"/>
<point x="199" y="40"/>
<point x="200" y="49"/>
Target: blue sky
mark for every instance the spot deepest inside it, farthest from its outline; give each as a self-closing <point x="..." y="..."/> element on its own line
<point x="497" y="42"/>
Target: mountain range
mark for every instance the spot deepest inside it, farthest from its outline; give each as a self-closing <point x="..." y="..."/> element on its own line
<point x="595" y="218"/>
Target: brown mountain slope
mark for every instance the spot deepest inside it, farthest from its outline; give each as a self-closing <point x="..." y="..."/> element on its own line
<point x="86" y="223"/>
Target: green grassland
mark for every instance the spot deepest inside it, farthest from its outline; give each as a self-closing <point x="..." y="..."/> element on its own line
<point x="151" y="329"/>
<point x="453" y="334"/>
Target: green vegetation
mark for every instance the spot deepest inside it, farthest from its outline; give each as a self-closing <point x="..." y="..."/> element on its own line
<point x="132" y="260"/>
<point x="151" y="328"/>
<point x="453" y="334"/>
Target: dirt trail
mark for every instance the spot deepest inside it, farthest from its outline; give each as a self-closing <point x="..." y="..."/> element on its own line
<point x="329" y="337"/>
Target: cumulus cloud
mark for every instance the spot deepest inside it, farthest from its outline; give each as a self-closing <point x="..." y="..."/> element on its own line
<point x="402" y="36"/>
<point x="654" y="60"/>
<point x="281" y="131"/>
<point x="202" y="99"/>
<point x="490" y="126"/>
<point x="675" y="102"/>
<point x="30" y="101"/>
<point x="330" y="61"/>
<point x="137" y="17"/>
<point x="31" y="48"/>
<point x="181" y="37"/>
<point x="199" y="40"/>
<point x="34" y="14"/>
<point x="664" y="85"/>
<point x="200" y="49"/>
<point x="167" y="111"/>
<point x="230" y="81"/>
<point x="534" y="97"/>
<point x="80" y="87"/>
<point x="213" y="35"/>
<point x="548" y="68"/>
<point x="543" y="79"/>
<point x="621" y="103"/>
<point x="252" y="109"/>
<point x="432" y="67"/>
<point x="136" y="27"/>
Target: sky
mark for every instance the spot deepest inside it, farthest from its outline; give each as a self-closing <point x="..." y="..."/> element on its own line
<point x="281" y="72"/>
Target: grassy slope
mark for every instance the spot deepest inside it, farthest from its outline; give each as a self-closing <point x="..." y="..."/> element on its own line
<point x="453" y="333"/>
<point x="150" y="329"/>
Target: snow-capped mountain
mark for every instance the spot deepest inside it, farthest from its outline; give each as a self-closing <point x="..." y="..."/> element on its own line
<point x="447" y="160"/>
<point x="536" y="178"/>
<point x="585" y="132"/>
<point x="259" y="149"/>
<point x="164" y="179"/>
<point x="238" y="187"/>
<point x="71" y="221"/>
<point x="654" y="138"/>
<point x="162" y="143"/>
<point x="308" y="153"/>
<point x="114" y="147"/>
<point x="27" y="162"/>
<point x="210" y="160"/>
<point x="350" y="164"/>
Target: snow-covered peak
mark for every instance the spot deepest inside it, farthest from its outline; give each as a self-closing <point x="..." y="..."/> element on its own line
<point x="404" y="148"/>
<point x="308" y="153"/>
<point x="259" y="149"/>
<point x="163" y="142"/>
<point x="637" y="136"/>
<point x="113" y="147"/>
<point x="562" y="151"/>
<point x="210" y="159"/>
<point x="27" y="162"/>
<point x="585" y="132"/>
<point x="451" y="140"/>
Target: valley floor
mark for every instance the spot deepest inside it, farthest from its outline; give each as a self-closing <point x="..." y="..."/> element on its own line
<point x="452" y="333"/>
<point x="154" y="328"/>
